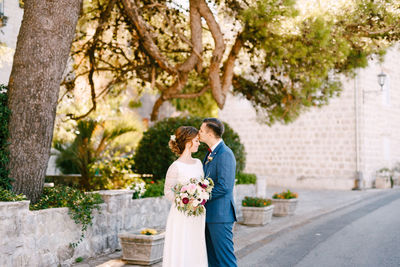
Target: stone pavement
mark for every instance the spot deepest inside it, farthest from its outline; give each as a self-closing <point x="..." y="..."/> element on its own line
<point x="312" y="204"/>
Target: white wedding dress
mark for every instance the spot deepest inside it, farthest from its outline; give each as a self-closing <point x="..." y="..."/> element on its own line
<point x="185" y="244"/>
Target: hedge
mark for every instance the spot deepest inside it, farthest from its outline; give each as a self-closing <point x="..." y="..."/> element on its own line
<point x="153" y="155"/>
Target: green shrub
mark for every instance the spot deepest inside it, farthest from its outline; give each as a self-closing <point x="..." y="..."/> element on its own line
<point x="138" y="186"/>
<point x="8" y="195"/>
<point x="256" y="202"/>
<point x="285" y="195"/>
<point x="113" y="173"/>
<point x="91" y="141"/>
<point x="245" y="178"/>
<point x="153" y="155"/>
<point x="154" y="188"/>
<point x="80" y="205"/>
<point x="5" y="181"/>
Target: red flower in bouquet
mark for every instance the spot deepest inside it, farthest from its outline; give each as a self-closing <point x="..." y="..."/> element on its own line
<point x="191" y="197"/>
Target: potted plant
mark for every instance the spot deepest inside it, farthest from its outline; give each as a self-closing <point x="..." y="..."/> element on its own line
<point x="144" y="247"/>
<point x="256" y="211"/>
<point x="384" y="178"/>
<point x="285" y="203"/>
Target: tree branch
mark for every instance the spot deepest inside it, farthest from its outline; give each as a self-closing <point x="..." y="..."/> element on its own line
<point x="169" y="94"/>
<point x="219" y="49"/>
<point x="192" y="95"/>
<point x="132" y="12"/>
<point x="229" y="65"/>
<point x="156" y="108"/>
<point x="196" y="38"/>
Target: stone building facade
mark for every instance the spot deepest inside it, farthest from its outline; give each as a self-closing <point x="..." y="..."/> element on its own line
<point x="330" y="147"/>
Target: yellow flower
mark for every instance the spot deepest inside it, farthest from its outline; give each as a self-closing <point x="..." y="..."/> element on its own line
<point x="149" y="231"/>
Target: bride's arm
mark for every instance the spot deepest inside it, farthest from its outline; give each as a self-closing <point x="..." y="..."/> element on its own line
<point x="171" y="180"/>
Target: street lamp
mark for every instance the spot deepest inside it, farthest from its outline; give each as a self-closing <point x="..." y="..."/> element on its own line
<point x="381" y="81"/>
<point x="3" y="18"/>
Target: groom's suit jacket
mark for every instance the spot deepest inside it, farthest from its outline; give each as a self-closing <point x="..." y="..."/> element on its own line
<point x="221" y="169"/>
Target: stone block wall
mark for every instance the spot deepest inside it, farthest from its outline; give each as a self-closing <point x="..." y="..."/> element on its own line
<point x="319" y="149"/>
<point x="381" y="117"/>
<point x="41" y="238"/>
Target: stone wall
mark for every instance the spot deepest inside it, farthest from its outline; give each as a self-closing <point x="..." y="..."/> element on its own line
<point x="319" y="149"/>
<point x="41" y="238"/>
<point x="380" y="117"/>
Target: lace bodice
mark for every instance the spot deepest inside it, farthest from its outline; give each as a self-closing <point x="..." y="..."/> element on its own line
<point x="180" y="172"/>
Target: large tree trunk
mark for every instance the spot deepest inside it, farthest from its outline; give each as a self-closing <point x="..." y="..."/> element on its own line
<point x="43" y="46"/>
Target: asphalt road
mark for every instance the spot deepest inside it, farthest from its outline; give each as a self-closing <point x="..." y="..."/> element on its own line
<point x="364" y="234"/>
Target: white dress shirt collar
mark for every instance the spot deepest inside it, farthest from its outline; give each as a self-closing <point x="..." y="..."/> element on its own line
<point x="216" y="144"/>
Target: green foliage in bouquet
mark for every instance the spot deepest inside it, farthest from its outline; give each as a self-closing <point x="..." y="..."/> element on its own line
<point x="246" y="178"/>
<point x="80" y="205"/>
<point x="153" y="155"/>
<point x="256" y="202"/>
<point x="285" y="195"/>
<point x="5" y="181"/>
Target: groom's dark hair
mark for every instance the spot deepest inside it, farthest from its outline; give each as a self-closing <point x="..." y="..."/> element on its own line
<point x="215" y="125"/>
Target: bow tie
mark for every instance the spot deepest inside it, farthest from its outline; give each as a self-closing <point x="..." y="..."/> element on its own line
<point x="209" y="150"/>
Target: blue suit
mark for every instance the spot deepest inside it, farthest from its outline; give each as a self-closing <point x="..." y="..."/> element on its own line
<point x="220" y="208"/>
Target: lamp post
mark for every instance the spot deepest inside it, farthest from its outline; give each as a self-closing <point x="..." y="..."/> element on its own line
<point x="359" y="180"/>
<point x="3" y="18"/>
<point x="381" y="81"/>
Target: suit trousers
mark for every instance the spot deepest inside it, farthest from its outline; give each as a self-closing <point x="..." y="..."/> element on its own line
<point x="219" y="240"/>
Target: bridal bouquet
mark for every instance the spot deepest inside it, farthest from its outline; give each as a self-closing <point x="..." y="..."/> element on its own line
<point x="191" y="197"/>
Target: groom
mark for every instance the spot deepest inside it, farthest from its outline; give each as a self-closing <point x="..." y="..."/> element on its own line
<point x="219" y="165"/>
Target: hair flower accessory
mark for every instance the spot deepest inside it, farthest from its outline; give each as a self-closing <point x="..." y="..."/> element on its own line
<point x="173" y="137"/>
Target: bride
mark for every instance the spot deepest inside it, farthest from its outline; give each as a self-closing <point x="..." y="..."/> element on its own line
<point x="184" y="235"/>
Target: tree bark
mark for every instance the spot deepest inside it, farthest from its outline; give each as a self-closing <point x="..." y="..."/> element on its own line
<point x="43" y="46"/>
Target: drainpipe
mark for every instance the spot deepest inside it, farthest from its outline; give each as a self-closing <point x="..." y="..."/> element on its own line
<point x="359" y="174"/>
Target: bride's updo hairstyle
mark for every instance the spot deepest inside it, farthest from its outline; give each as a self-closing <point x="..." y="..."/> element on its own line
<point x="182" y="135"/>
